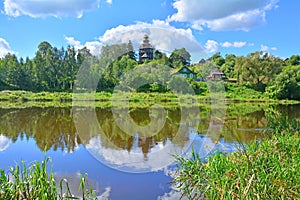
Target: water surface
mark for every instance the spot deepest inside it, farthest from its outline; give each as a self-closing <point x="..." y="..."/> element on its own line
<point x="127" y="159"/>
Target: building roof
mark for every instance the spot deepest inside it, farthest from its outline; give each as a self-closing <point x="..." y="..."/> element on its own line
<point x="184" y="70"/>
<point x="146" y="44"/>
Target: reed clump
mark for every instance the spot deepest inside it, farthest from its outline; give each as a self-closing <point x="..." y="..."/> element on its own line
<point x="263" y="169"/>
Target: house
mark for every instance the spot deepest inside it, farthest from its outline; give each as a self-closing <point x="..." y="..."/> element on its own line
<point x="146" y="50"/>
<point x="184" y="72"/>
<point x="215" y="75"/>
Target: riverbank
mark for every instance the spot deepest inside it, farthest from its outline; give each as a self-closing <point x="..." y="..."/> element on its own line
<point x="267" y="169"/>
<point x="229" y="92"/>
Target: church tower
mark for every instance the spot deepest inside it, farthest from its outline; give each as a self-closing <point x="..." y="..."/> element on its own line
<point x="146" y="50"/>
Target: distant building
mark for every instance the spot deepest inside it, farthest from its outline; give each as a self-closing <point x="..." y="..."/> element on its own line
<point x="215" y="75"/>
<point x="184" y="72"/>
<point x="146" y="50"/>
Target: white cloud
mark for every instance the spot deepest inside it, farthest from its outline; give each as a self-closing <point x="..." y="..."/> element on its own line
<point x="234" y="44"/>
<point x="4" y="48"/>
<point x="211" y="46"/>
<point x="222" y="15"/>
<point x="109" y="1"/>
<point x="45" y="8"/>
<point x="267" y="48"/>
<point x="94" y="46"/>
<point x="162" y="36"/>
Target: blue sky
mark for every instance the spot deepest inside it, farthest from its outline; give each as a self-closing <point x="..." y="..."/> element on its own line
<point x="201" y="26"/>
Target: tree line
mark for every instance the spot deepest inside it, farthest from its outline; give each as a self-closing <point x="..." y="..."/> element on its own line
<point x="54" y="69"/>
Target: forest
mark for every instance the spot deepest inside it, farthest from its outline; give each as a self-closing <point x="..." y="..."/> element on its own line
<point x="53" y="69"/>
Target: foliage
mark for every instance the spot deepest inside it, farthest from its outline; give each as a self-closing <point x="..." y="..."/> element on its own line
<point x="240" y="92"/>
<point x="218" y="59"/>
<point x="257" y="69"/>
<point x="261" y="170"/>
<point x="53" y="69"/>
<point x="34" y="182"/>
<point x="180" y="85"/>
<point x="180" y="57"/>
<point x="287" y="84"/>
<point x="203" y="70"/>
<point x="229" y="65"/>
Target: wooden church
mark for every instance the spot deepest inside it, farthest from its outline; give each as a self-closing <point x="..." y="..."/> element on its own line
<point x="146" y="50"/>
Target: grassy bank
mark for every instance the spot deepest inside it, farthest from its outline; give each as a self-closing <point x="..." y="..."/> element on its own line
<point x="233" y="92"/>
<point x="35" y="182"/>
<point x="269" y="169"/>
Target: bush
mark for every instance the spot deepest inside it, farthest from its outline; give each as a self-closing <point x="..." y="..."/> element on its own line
<point x="269" y="169"/>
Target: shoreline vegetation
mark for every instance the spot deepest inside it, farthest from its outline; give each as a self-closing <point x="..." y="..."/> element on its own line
<point x="233" y="93"/>
<point x="37" y="182"/>
<point x="262" y="169"/>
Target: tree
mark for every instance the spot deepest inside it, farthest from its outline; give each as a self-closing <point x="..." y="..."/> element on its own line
<point x="294" y="60"/>
<point x="180" y="85"/>
<point x="218" y="59"/>
<point x="10" y="70"/>
<point x="180" y="57"/>
<point x="287" y="84"/>
<point x="229" y="65"/>
<point x="257" y="69"/>
<point x="130" y="50"/>
<point x="204" y="70"/>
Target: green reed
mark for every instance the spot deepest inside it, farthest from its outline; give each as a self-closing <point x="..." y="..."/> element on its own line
<point x="266" y="169"/>
<point x="35" y="182"/>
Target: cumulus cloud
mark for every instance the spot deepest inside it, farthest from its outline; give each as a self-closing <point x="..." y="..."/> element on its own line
<point x="45" y="8"/>
<point x="212" y="46"/>
<point x="161" y="35"/>
<point x="4" y="48"/>
<point x="222" y="15"/>
<point x="234" y="44"/>
<point x="267" y="48"/>
<point x="94" y="46"/>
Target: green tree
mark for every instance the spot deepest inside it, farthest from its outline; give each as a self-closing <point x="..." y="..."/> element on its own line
<point x="203" y="70"/>
<point x="229" y="65"/>
<point x="10" y="70"/>
<point x="130" y="51"/>
<point x="257" y="69"/>
<point x="218" y="59"/>
<point x="287" y="84"/>
<point x="180" y="57"/>
<point x="294" y="60"/>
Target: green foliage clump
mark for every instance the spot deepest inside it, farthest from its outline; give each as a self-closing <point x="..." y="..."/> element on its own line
<point x="287" y="84"/>
<point x="35" y="182"/>
<point x="269" y="169"/>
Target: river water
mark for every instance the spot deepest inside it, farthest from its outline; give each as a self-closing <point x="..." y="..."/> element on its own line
<point x="127" y="153"/>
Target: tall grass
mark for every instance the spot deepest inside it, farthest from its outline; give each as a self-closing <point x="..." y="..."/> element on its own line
<point x="269" y="169"/>
<point x="34" y="182"/>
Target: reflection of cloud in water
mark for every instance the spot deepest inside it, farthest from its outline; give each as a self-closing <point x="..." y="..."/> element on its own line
<point x="158" y="157"/>
<point x="172" y="195"/>
<point x="4" y="142"/>
<point x="73" y="181"/>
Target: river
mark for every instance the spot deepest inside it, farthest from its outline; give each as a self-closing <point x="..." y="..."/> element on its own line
<point x="127" y="153"/>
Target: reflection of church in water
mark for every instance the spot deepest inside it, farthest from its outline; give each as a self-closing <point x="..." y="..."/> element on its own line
<point x="146" y="50"/>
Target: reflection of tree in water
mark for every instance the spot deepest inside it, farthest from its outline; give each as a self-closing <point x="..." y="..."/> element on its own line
<point x="54" y="127"/>
<point x="117" y="138"/>
<point x="50" y="127"/>
<point x="244" y="127"/>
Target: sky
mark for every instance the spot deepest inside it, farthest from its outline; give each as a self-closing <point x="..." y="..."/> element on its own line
<point x="203" y="27"/>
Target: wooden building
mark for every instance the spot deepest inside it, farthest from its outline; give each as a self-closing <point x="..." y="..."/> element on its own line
<point x="146" y="51"/>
